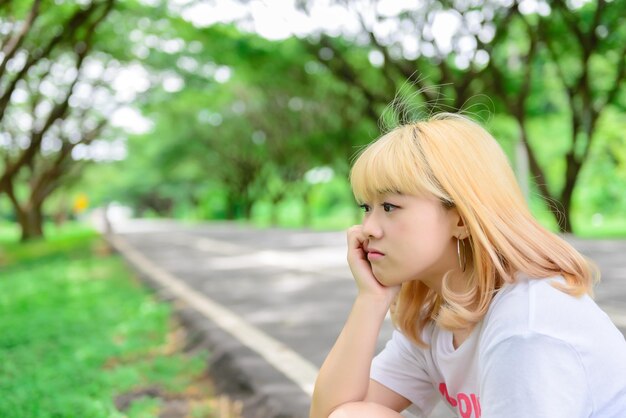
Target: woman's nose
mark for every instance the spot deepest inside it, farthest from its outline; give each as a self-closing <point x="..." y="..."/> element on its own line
<point x="371" y="227"/>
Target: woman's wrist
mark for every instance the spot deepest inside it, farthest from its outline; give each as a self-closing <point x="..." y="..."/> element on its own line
<point x="375" y="302"/>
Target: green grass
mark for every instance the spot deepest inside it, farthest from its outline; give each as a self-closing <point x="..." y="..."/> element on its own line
<point x="78" y="331"/>
<point x="56" y="242"/>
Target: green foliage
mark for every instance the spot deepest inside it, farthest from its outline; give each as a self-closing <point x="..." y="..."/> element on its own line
<point x="603" y="178"/>
<point x="79" y="331"/>
<point x="238" y="119"/>
<point x="234" y="137"/>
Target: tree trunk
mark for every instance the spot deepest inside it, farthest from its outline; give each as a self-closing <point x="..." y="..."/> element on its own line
<point x="307" y="213"/>
<point x="61" y="213"/>
<point x="231" y="207"/>
<point x="29" y="217"/>
<point x="565" y="226"/>
<point x="274" y="212"/>
<point x="247" y="204"/>
<point x="31" y="222"/>
<point x="274" y="206"/>
<point x="565" y="222"/>
<point x="238" y="206"/>
<point x="560" y="209"/>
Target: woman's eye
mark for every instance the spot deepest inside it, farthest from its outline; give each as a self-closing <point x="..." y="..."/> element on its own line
<point x="388" y="207"/>
<point x="366" y="208"/>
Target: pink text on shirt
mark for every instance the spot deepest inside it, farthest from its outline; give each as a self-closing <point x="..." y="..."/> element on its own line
<point x="468" y="405"/>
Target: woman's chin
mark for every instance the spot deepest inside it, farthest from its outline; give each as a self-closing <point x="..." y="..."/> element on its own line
<point x="385" y="280"/>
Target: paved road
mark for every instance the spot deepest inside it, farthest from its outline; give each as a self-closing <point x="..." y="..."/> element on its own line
<point x="294" y="286"/>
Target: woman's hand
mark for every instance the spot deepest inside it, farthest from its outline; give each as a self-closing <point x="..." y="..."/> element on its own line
<point x="345" y="375"/>
<point x="361" y="268"/>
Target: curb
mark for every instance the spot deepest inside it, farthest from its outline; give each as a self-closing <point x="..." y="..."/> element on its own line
<point x="236" y="370"/>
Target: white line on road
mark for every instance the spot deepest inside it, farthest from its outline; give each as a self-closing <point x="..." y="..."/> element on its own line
<point x="291" y="364"/>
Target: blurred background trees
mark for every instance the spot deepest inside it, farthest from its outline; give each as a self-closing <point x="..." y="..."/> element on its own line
<point x="45" y="108"/>
<point x="253" y="110"/>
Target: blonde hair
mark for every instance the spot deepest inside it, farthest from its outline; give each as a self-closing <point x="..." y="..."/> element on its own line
<point x="454" y="159"/>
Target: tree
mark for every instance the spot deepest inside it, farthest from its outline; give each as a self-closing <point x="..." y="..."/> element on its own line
<point x="595" y="41"/>
<point x="235" y="123"/>
<point x="500" y="49"/>
<point x="38" y="77"/>
<point x="243" y="118"/>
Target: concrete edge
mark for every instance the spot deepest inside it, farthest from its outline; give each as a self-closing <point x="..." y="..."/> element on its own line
<point x="237" y="370"/>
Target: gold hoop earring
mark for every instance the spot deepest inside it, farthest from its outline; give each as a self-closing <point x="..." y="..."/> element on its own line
<point x="462" y="258"/>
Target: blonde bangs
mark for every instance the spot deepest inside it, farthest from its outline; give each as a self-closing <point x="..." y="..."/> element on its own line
<point x="393" y="164"/>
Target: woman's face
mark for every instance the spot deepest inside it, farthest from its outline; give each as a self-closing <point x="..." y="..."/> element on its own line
<point x="410" y="238"/>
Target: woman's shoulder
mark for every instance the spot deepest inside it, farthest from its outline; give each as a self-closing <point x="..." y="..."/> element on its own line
<point x="524" y="297"/>
<point x="532" y="306"/>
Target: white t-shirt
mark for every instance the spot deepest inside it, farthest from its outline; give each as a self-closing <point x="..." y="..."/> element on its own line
<point x="537" y="353"/>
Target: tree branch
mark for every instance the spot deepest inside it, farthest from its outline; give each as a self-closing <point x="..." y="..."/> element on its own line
<point x="42" y="185"/>
<point x="370" y="33"/>
<point x="555" y="60"/>
<point x="620" y="75"/>
<point x="16" y="204"/>
<point x="528" y="59"/>
<point x="59" y="110"/>
<point x="341" y="68"/>
<point x="570" y="20"/>
<point x="69" y="30"/>
<point x="12" y="45"/>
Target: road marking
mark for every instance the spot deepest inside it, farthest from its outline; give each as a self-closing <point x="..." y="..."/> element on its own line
<point x="302" y="372"/>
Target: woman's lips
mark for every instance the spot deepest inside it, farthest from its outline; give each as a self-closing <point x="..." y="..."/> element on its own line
<point x="374" y="255"/>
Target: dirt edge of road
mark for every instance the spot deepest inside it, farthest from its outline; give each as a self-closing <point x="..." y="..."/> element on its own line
<point x="236" y="371"/>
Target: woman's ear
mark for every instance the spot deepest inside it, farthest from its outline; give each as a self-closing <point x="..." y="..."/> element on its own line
<point x="459" y="227"/>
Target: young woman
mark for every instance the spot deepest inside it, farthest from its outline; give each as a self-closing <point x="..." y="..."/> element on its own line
<point x="493" y="313"/>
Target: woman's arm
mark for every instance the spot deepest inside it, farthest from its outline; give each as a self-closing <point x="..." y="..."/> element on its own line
<point x="344" y="376"/>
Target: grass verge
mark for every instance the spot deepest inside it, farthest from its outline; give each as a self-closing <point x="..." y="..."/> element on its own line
<point x="81" y="337"/>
